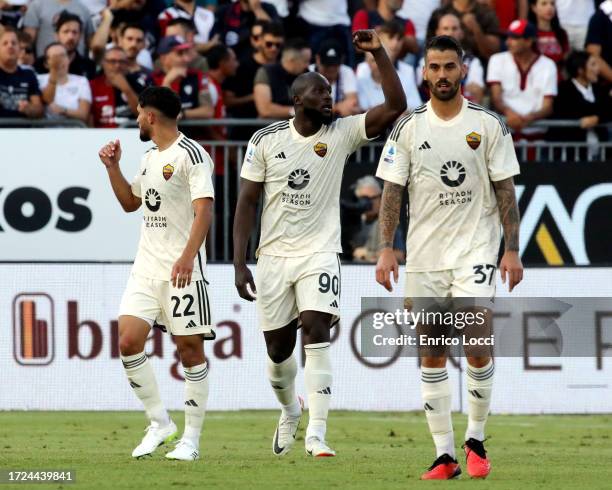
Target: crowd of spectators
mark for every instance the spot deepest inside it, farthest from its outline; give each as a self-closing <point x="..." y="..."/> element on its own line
<point x="88" y="60"/>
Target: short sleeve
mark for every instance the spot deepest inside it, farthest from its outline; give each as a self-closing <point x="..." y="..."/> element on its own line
<point x="550" y="79"/>
<point x="475" y="73"/>
<point x="32" y="15"/>
<point x="261" y="77"/>
<point x="348" y="80"/>
<point x="84" y="89"/>
<point x="199" y="178"/>
<point x="394" y="163"/>
<point x="494" y="69"/>
<point x="596" y="29"/>
<point x="409" y="29"/>
<point x="254" y="164"/>
<point x="137" y="181"/>
<point x="33" y="88"/>
<point x="353" y="131"/>
<point x="501" y="156"/>
<point x="360" y="20"/>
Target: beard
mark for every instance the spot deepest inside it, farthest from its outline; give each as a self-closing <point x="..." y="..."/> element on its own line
<point x="444" y="96"/>
<point x="317" y="116"/>
<point x="145" y="135"/>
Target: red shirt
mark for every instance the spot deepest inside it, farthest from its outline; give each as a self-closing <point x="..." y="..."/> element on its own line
<point x="369" y="19"/>
<point x="549" y="45"/>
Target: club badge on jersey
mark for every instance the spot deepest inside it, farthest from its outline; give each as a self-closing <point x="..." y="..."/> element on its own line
<point x="473" y="140"/>
<point x="167" y="171"/>
<point x="320" y="149"/>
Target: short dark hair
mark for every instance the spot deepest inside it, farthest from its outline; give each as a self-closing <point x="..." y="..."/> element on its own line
<point x="444" y="43"/>
<point x="295" y="44"/>
<point x="393" y="28"/>
<point x="164" y="99"/>
<point x="130" y="25"/>
<point x="186" y="23"/>
<point x="65" y="17"/>
<point x="216" y="55"/>
<point x="575" y="61"/>
<point x="261" y="23"/>
<point x="274" y="28"/>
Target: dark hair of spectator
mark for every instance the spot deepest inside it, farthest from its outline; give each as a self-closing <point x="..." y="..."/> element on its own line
<point x="274" y="28"/>
<point x="575" y="61"/>
<point x="164" y="99"/>
<point x="130" y="25"/>
<point x="444" y="43"/>
<point x="555" y="25"/>
<point x="260" y="22"/>
<point x="188" y="24"/>
<point x="49" y="46"/>
<point x="295" y="44"/>
<point x="392" y="29"/>
<point x="216" y="55"/>
<point x="24" y="37"/>
<point x="65" y="17"/>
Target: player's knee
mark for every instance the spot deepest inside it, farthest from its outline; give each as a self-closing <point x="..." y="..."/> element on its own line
<point x="191" y="353"/>
<point x="130" y="345"/>
<point x="433" y="361"/>
<point x="478" y="362"/>
<point x="278" y="352"/>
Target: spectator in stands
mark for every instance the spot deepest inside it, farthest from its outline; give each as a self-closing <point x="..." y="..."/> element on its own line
<point x="523" y="83"/>
<point x="341" y="77"/>
<point x="574" y="17"/>
<point x="552" y="38"/>
<point x="65" y="95"/>
<point x="272" y="83"/>
<point x="583" y="98"/>
<point x="479" y="22"/>
<point x="19" y="92"/>
<point x="238" y="90"/>
<point x="365" y="242"/>
<point x="419" y="13"/>
<point x="115" y="92"/>
<point x="474" y="85"/>
<point x="507" y="10"/>
<point x="191" y="85"/>
<point x="368" y="77"/>
<point x="26" y="50"/>
<point x="322" y="20"/>
<point x="599" y="39"/>
<point x="202" y="18"/>
<point x="68" y="32"/>
<point x="386" y="11"/>
<point x="12" y="12"/>
<point x="41" y="17"/>
<point x="185" y="28"/>
<point x="222" y="64"/>
<point x="234" y="20"/>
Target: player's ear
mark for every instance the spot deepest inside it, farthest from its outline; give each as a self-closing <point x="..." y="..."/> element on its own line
<point x="464" y="70"/>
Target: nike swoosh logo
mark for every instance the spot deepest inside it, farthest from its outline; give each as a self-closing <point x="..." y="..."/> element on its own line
<point x="277" y="448"/>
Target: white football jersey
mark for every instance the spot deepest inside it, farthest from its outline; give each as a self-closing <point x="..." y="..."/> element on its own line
<point x="302" y="177"/>
<point x="168" y="182"/>
<point x="449" y="166"/>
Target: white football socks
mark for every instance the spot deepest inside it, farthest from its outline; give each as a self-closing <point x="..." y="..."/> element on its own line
<point x="142" y="379"/>
<point x="480" y="387"/>
<point x="318" y="380"/>
<point x="436" y="393"/>
<point x="282" y="380"/>
<point x="196" y="397"/>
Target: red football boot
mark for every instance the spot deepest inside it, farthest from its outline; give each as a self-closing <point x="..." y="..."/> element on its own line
<point x="478" y="465"/>
<point x="443" y="468"/>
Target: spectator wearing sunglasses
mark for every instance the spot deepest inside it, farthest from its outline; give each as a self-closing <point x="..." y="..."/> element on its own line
<point x="26" y="50"/>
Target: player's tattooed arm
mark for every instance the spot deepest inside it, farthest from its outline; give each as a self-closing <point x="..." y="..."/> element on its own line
<point x="508" y="212"/>
<point x="389" y="213"/>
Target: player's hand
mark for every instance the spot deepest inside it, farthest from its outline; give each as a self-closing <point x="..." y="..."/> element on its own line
<point x="118" y="81"/>
<point x="387" y="263"/>
<point x="174" y="74"/>
<point x="181" y="272"/>
<point x="110" y="154"/>
<point x="512" y="267"/>
<point x="242" y="279"/>
<point x="366" y="40"/>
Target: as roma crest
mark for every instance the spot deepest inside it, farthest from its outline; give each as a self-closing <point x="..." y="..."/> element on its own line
<point x="168" y="170"/>
<point x="320" y="149"/>
<point x="473" y="139"/>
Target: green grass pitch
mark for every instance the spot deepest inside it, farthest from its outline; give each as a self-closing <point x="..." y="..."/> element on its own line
<point x="375" y="450"/>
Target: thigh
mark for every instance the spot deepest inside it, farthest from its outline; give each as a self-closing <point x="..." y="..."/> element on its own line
<point x="434" y="284"/>
<point x="140" y="300"/>
<point x="317" y="284"/>
<point x="186" y="311"/>
<point x="276" y="304"/>
<point x="476" y="281"/>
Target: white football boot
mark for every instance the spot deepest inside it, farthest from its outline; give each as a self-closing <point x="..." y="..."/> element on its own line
<point x="284" y="435"/>
<point x="317" y="448"/>
<point x="155" y="436"/>
<point x="184" y="451"/>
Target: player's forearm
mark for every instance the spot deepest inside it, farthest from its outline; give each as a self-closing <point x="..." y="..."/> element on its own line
<point x="123" y="190"/>
<point x="48" y="93"/>
<point x="395" y="99"/>
<point x="199" y="229"/>
<point x="388" y="219"/>
<point x="269" y="110"/>
<point x="246" y="214"/>
<point x="508" y="213"/>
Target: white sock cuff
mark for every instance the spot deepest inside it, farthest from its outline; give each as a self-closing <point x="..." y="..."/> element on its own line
<point x="195" y="374"/>
<point x="135" y="361"/>
<point x="481" y="375"/>
<point x="314" y="347"/>
<point x="434" y="383"/>
<point x="281" y="366"/>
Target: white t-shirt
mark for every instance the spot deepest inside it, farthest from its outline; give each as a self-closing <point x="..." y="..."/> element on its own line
<point x="203" y="19"/>
<point x="574" y="12"/>
<point x="419" y="12"/>
<point x="282" y="7"/>
<point x="325" y="12"/>
<point x="370" y="92"/>
<point x="70" y="93"/>
<point x="348" y="83"/>
<point x="523" y="93"/>
<point x="168" y="182"/>
<point x="449" y="166"/>
<point x="302" y="177"/>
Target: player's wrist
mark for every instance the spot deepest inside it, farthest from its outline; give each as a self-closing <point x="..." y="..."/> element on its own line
<point x="382" y="246"/>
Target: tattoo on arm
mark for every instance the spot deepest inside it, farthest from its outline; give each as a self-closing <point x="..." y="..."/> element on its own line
<point x="508" y="212"/>
<point x="389" y="213"/>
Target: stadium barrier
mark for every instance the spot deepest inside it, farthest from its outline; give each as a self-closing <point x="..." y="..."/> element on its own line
<point x="60" y="348"/>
